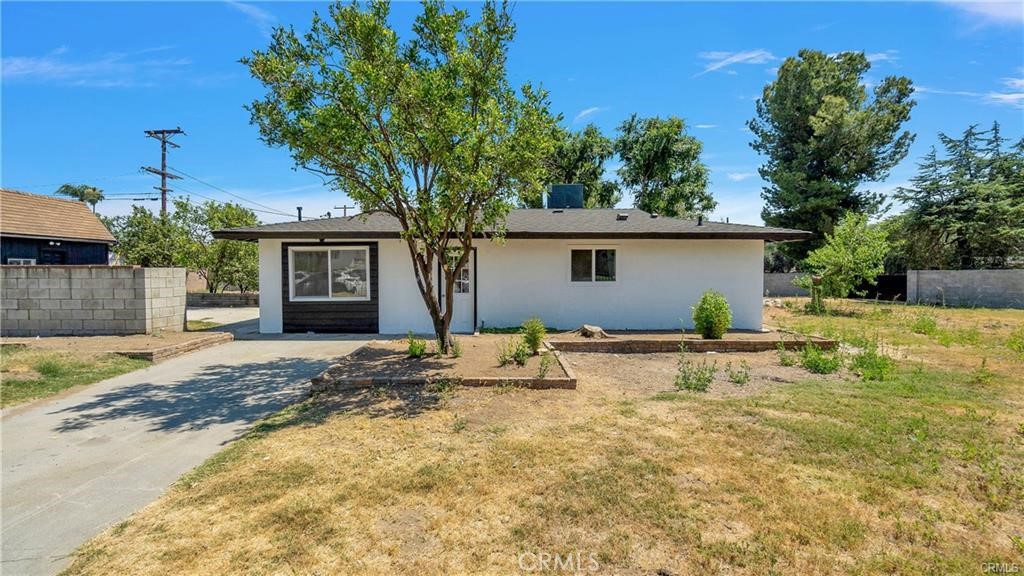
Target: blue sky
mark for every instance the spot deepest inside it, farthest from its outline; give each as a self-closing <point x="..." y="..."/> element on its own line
<point x="81" y="81"/>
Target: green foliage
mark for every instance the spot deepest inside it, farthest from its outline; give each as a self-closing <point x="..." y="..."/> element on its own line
<point x="455" y="348"/>
<point x="738" y="376"/>
<point x="424" y="126"/>
<point x="823" y="136"/>
<point x="50" y="367"/>
<point x="982" y="374"/>
<point x="29" y="373"/>
<point x="546" y="360"/>
<point x="692" y="376"/>
<point x="416" y="347"/>
<point x="1016" y="340"/>
<point x="870" y="364"/>
<point x="145" y="239"/>
<point x="512" y="350"/>
<point x="786" y="358"/>
<point x="579" y="158"/>
<point x="819" y="361"/>
<point x="661" y="166"/>
<point x="924" y="323"/>
<point x="965" y="210"/>
<point x="91" y="195"/>
<point x="533" y="334"/>
<point x="711" y="316"/>
<point x="221" y="263"/>
<point x="853" y="253"/>
<point x="521" y="353"/>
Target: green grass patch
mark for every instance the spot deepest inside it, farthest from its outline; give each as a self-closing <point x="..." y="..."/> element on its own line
<point x="201" y="325"/>
<point x="30" y="374"/>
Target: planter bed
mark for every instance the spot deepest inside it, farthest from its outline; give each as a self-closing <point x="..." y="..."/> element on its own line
<point x="659" y="342"/>
<point x="161" y="353"/>
<point x="386" y="363"/>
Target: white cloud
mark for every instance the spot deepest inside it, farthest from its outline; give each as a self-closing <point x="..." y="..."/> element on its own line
<point x="1014" y="83"/>
<point x="739" y="176"/>
<point x="705" y="126"/>
<point x="887" y="56"/>
<point x="983" y="13"/>
<point x="111" y="70"/>
<point x="720" y="60"/>
<point x="1012" y="95"/>
<point x="586" y="112"/>
<point x="262" y="19"/>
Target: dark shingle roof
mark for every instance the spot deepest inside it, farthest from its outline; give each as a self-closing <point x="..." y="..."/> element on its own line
<point x="532" y="223"/>
<point x="35" y="216"/>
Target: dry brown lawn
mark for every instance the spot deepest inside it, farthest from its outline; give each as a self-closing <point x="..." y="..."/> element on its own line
<point x="791" y="473"/>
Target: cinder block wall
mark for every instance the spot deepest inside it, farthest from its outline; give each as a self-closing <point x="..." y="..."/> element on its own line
<point x="90" y="300"/>
<point x="222" y="300"/>
<point x="780" y="284"/>
<point x="982" y="288"/>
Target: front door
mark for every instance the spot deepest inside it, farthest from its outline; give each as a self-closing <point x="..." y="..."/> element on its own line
<point x="464" y="299"/>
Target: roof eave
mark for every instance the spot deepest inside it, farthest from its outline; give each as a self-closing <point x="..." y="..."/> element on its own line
<point x="61" y="238"/>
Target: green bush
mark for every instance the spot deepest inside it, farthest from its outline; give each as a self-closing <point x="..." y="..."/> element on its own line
<point x="739" y="376"/>
<point x="695" y="377"/>
<point x="533" y="334"/>
<point x="786" y="358"/>
<point x="1016" y="341"/>
<point x="872" y="364"/>
<point x="711" y="316"/>
<point x="816" y="360"/>
<point x="546" y="359"/>
<point x="924" y="324"/>
<point x="456" y="348"/>
<point x="50" y="367"/>
<point x="513" y="350"/>
<point x="521" y="354"/>
<point x="417" y="347"/>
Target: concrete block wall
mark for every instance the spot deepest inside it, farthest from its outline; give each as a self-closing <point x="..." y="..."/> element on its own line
<point x="780" y="284"/>
<point x="90" y="300"/>
<point x="981" y="288"/>
<point x="222" y="300"/>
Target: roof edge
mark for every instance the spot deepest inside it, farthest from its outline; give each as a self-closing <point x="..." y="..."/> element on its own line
<point x="768" y="236"/>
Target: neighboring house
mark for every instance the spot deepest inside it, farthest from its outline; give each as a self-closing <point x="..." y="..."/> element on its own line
<point x="620" y="269"/>
<point x="38" y="229"/>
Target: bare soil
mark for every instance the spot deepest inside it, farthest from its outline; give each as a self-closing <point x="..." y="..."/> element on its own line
<point x="738" y="335"/>
<point x="390" y="358"/>
<point x="104" y="344"/>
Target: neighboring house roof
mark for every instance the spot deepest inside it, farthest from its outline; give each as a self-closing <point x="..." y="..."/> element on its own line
<point x="531" y="223"/>
<point x="35" y="216"/>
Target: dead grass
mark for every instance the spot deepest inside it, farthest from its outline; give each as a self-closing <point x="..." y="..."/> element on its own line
<point x="29" y="373"/>
<point x="919" y="474"/>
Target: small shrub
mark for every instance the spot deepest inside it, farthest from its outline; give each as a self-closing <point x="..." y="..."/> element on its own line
<point x="417" y="347"/>
<point x="872" y="364"/>
<point x="711" y="316"/>
<point x="786" y="358"/>
<point x="818" y="361"/>
<point x="982" y="374"/>
<point x="513" y="350"/>
<point x="521" y="354"/>
<point x="1016" y="341"/>
<point x="739" y="376"/>
<point x="50" y="368"/>
<point x="546" y="359"/>
<point x="924" y="324"/>
<point x="533" y="334"/>
<point x="456" y="348"/>
<point x="693" y="376"/>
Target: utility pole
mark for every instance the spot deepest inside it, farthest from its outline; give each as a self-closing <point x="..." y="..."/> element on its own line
<point x="344" y="210"/>
<point x="164" y="136"/>
<point x="299" y="208"/>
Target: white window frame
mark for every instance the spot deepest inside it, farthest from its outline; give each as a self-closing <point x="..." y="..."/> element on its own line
<point x="21" y="261"/>
<point x="328" y="248"/>
<point x="593" y="248"/>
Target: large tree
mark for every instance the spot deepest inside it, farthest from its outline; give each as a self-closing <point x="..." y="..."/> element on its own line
<point x="823" y="137"/>
<point x="661" y="166"/>
<point x="91" y="195"/>
<point x="145" y="239"/>
<point x="426" y="129"/>
<point x="221" y="263"/>
<point x="966" y="208"/>
<point x="579" y="158"/>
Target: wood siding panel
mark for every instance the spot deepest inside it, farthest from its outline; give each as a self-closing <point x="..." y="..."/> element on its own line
<point x="331" y="317"/>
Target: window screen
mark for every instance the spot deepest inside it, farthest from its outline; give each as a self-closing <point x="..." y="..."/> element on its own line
<point x="582" y="265"/>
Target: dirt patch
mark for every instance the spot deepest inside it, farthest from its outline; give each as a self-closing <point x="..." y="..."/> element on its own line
<point x="103" y="344"/>
<point x="390" y="359"/>
<point x="674" y="335"/>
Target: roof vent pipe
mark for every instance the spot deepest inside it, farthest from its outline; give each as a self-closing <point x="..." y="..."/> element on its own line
<point x="700" y="220"/>
<point x="621" y="216"/>
<point x="654" y="214"/>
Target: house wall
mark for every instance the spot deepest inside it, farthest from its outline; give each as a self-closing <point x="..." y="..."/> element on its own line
<point x="71" y="252"/>
<point x="658" y="282"/>
<point x="90" y="300"/>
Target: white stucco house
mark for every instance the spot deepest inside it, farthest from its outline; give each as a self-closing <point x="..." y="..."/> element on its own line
<point x="620" y="269"/>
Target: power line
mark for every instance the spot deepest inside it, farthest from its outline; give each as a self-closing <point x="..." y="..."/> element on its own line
<point x="100" y="179"/>
<point x="191" y="192"/>
<point x="228" y="192"/>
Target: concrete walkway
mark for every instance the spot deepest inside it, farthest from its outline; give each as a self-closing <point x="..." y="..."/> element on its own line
<point x="74" y="465"/>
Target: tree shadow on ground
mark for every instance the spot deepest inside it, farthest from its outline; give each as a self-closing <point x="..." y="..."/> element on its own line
<point x="221" y="394"/>
<point x="400" y="401"/>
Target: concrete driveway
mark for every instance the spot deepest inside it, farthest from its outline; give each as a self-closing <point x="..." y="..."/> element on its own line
<point x="77" y="464"/>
